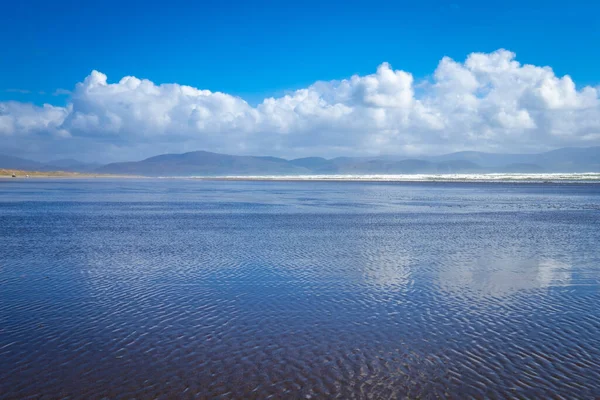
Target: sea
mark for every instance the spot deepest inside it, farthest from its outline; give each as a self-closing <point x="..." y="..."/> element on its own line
<point x="308" y="289"/>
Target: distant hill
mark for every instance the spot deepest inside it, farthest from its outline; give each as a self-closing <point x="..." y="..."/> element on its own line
<point x="313" y="163"/>
<point x="522" y="168"/>
<point x="67" y="165"/>
<point x="204" y="163"/>
<point x="568" y="159"/>
<point x="459" y="166"/>
<point x="486" y="160"/>
<point x="11" y="162"/>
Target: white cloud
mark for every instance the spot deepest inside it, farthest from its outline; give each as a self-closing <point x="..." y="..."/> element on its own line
<point x="488" y="102"/>
<point x="24" y="119"/>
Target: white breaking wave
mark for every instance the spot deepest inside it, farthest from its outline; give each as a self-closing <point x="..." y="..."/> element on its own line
<point x="495" y="177"/>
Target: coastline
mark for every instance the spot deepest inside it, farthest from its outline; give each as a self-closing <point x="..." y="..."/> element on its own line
<point x="587" y="177"/>
<point x="21" y="174"/>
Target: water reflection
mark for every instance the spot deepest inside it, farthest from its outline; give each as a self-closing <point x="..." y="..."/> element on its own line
<point x="504" y="274"/>
<point x="287" y="290"/>
<point x="388" y="274"/>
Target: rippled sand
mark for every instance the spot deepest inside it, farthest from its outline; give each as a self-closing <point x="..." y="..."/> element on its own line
<point x="186" y="288"/>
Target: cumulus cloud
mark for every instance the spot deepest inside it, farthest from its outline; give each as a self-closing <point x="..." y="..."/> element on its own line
<point x="488" y="102"/>
<point x="23" y="119"/>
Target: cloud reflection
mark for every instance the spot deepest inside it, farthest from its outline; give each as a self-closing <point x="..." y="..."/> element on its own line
<point x="505" y="274"/>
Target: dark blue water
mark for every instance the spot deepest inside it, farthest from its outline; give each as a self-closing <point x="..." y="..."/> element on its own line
<point x="177" y="289"/>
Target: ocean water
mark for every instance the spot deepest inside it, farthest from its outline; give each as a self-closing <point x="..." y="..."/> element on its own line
<point x="215" y="289"/>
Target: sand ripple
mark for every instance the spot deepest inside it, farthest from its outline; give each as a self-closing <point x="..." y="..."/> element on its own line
<point x="188" y="289"/>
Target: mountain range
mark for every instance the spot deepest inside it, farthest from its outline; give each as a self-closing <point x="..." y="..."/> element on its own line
<point x="68" y="165"/>
<point x="203" y="163"/>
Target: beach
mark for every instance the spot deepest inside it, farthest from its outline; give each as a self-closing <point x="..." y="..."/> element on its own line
<point x="250" y="289"/>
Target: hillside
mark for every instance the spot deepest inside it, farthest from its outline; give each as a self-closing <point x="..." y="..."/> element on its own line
<point x="203" y="163"/>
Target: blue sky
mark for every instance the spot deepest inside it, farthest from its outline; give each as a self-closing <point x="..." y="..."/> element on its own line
<point x="114" y="80"/>
<point x="259" y="48"/>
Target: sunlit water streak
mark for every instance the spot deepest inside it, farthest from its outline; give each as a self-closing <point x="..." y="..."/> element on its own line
<point x="207" y="289"/>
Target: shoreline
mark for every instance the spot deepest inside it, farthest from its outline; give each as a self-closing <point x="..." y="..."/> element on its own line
<point x="6" y="173"/>
<point x="588" y="177"/>
<point x="22" y="178"/>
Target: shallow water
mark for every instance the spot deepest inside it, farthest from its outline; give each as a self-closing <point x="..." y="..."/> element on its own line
<point x="182" y="288"/>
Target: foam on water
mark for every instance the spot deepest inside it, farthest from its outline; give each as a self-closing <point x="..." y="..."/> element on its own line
<point x="492" y="177"/>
